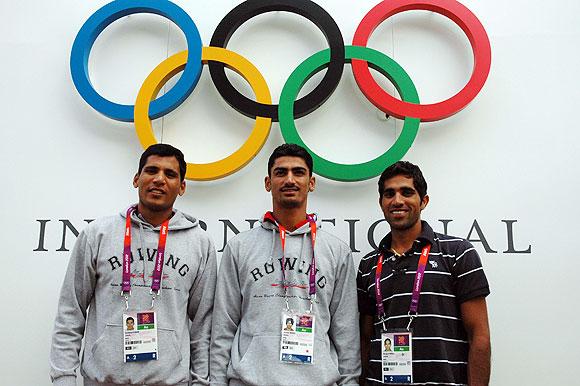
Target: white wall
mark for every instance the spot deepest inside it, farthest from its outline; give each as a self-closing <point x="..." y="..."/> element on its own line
<point x="511" y="155"/>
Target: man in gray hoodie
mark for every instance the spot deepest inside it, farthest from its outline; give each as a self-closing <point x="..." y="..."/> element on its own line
<point x="135" y="282"/>
<point x="286" y="272"/>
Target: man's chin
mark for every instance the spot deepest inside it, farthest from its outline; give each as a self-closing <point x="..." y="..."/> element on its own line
<point x="290" y="204"/>
<point x="156" y="207"/>
<point x="400" y="225"/>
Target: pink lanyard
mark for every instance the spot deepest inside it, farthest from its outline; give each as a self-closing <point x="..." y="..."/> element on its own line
<point x="312" y="276"/>
<point x="417" y="285"/>
<point x="157" y="270"/>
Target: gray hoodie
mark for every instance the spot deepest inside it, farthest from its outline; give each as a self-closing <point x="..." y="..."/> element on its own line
<point x="249" y="300"/>
<point x="91" y="306"/>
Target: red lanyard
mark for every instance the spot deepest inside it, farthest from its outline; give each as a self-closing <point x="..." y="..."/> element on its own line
<point x="312" y="276"/>
<point x="157" y="270"/>
<point x="417" y="285"/>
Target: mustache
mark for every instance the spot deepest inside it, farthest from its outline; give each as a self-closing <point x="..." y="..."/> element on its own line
<point x="289" y="187"/>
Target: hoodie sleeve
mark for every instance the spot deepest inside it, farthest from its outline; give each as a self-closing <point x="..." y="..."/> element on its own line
<point x="75" y="296"/>
<point x="201" y="298"/>
<point x="226" y="317"/>
<point x="344" y="327"/>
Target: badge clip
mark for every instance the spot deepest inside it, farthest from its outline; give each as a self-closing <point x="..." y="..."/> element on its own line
<point x="312" y="299"/>
<point x="412" y="316"/>
<point x="285" y="285"/>
<point x="384" y="323"/>
<point x="126" y="295"/>
<point x="154" y="295"/>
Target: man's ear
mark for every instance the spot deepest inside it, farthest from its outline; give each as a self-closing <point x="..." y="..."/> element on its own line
<point x="424" y="202"/>
<point x="267" y="184"/>
<point x="182" y="188"/>
<point x="135" y="179"/>
<point x="312" y="184"/>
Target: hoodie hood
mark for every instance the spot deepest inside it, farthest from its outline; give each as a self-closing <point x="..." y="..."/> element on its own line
<point x="178" y="221"/>
<point x="269" y="222"/>
<point x="303" y="229"/>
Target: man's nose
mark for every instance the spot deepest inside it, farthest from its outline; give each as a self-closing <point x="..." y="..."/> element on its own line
<point x="290" y="178"/>
<point x="398" y="198"/>
<point x="159" y="178"/>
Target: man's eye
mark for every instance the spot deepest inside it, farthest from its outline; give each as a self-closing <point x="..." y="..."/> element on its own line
<point x="388" y="193"/>
<point x="408" y="192"/>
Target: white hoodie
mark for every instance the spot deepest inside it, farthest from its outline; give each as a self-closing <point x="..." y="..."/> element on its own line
<point x="249" y="300"/>
<point x="91" y="306"/>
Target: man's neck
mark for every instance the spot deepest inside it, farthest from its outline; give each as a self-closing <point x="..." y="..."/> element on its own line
<point x="154" y="218"/>
<point x="402" y="240"/>
<point x="289" y="217"/>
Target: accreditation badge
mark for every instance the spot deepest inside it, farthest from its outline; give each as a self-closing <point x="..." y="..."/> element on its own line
<point x="297" y="342"/>
<point x="397" y="357"/>
<point x="140" y="336"/>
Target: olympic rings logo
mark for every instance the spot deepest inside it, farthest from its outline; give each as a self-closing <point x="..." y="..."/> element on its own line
<point x="217" y="57"/>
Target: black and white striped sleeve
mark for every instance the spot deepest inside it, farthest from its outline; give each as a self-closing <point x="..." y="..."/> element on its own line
<point x="470" y="279"/>
<point x="365" y="273"/>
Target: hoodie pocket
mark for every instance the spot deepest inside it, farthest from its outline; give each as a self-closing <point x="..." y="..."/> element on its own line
<point x="105" y="361"/>
<point x="261" y="365"/>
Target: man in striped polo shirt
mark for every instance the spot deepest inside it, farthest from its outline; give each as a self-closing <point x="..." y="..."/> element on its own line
<point x="430" y="302"/>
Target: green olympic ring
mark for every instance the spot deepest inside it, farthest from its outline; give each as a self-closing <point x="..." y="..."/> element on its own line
<point x="378" y="61"/>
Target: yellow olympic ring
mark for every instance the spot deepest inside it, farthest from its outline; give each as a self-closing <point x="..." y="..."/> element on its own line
<point x="176" y="63"/>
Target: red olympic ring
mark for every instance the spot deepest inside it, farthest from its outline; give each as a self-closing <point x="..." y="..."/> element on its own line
<point x="451" y="9"/>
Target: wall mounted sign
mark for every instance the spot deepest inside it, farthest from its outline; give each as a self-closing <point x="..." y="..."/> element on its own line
<point x="217" y="56"/>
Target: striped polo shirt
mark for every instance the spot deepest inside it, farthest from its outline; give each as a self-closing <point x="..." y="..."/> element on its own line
<point x="453" y="275"/>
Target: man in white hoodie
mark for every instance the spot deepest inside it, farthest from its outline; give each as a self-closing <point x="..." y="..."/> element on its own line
<point x="150" y="264"/>
<point x="286" y="269"/>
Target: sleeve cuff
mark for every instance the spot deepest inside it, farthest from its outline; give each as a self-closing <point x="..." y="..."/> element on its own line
<point x="478" y="293"/>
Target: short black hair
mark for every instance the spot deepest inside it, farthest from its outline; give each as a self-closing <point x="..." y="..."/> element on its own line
<point x="164" y="150"/>
<point x="290" y="150"/>
<point x="290" y="320"/>
<point x="407" y="169"/>
<point x="130" y="318"/>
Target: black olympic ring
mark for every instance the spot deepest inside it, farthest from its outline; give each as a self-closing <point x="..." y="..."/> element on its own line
<point x="306" y="8"/>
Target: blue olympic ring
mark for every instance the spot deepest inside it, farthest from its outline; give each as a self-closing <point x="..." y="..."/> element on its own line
<point x="105" y="16"/>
